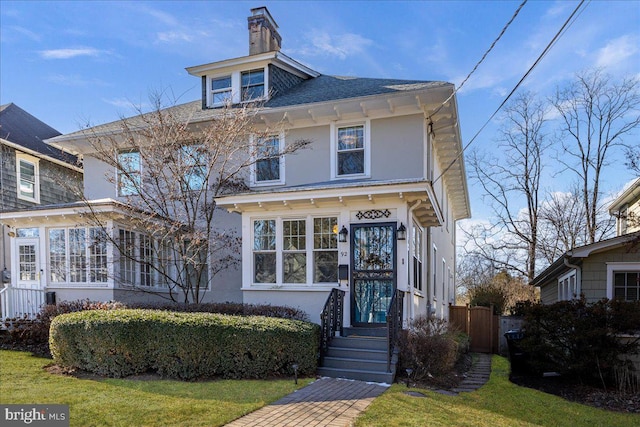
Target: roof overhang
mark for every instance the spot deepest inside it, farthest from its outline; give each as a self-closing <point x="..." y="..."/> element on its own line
<point x="578" y="254"/>
<point x="339" y="195"/>
<point x="34" y="153"/>
<point x="628" y="196"/>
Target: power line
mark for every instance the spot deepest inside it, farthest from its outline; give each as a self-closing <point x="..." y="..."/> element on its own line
<point x="504" y="29"/>
<point x="569" y="21"/>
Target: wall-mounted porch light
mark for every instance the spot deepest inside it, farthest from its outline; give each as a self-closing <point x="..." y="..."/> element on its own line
<point x="402" y="232"/>
<point x="342" y="235"/>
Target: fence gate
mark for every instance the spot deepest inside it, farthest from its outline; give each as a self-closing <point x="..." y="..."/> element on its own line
<point x="480" y="324"/>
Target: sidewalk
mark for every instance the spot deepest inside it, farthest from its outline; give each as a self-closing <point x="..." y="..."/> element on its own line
<point x="327" y="402"/>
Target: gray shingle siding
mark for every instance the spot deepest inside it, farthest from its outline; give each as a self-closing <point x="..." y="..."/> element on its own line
<point x="54" y="182"/>
<point x="280" y="81"/>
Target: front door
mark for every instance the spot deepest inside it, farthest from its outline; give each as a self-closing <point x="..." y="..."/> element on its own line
<point x="373" y="272"/>
<point x="28" y="263"/>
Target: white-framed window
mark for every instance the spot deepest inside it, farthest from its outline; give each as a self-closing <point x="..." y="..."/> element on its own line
<point x="350" y="147"/>
<point x="77" y="255"/>
<point x="325" y="250"/>
<point x="28" y="177"/>
<point x="264" y="251"/>
<point x="294" y="251"/>
<point x="568" y="286"/>
<point x="252" y="85"/>
<point x="282" y="248"/>
<point x="268" y="168"/>
<point x="623" y="281"/>
<point x="194" y="163"/>
<point x="128" y="172"/>
<point x="221" y="90"/>
<point x="147" y="262"/>
<point x="416" y="254"/>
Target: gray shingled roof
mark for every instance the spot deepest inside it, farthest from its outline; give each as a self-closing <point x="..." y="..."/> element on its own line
<point x="331" y="88"/>
<point x="21" y="128"/>
<point x="318" y="89"/>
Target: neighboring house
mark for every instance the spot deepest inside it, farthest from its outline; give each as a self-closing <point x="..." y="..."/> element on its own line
<point x="369" y="208"/>
<point x="626" y="209"/>
<point x="606" y="269"/>
<point x="31" y="173"/>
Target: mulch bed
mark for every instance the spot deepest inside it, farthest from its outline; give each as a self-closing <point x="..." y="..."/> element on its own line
<point x="609" y="399"/>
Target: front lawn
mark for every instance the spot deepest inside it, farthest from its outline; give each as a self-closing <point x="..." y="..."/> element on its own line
<point x="499" y="403"/>
<point x="130" y="402"/>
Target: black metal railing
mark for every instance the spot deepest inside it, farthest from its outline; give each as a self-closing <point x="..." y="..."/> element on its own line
<point x="394" y="324"/>
<point x="331" y="319"/>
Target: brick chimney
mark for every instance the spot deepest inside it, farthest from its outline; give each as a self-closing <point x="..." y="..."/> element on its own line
<point x="263" y="32"/>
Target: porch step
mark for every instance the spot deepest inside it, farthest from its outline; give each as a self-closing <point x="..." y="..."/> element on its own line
<point x="362" y="355"/>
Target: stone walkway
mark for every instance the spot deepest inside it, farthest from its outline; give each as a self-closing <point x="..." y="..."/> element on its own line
<point x="327" y="402"/>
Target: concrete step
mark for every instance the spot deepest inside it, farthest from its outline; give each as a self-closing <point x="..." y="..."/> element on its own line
<point x="357" y="353"/>
<point x="355" y="364"/>
<point x="365" y="332"/>
<point x="367" y="343"/>
<point x="358" y="374"/>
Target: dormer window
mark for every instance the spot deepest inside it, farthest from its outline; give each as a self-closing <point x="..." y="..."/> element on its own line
<point x="221" y="90"/>
<point x="252" y="85"/>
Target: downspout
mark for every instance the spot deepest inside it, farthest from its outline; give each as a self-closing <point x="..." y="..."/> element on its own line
<point x="578" y="274"/>
<point x="410" y="223"/>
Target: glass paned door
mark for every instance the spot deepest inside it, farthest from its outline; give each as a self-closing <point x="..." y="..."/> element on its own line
<point x="28" y="263"/>
<point x="373" y="272"/>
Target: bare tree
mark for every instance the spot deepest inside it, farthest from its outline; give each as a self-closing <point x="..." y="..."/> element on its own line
<point x="169" y="169"/>
<point x="511" y="181"/>
<point x="596" y="115"/>
<point x="633" y="158"/>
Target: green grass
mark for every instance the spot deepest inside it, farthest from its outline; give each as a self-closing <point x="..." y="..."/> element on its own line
<point x="498" y="404"/>
<point x="127" y="402"/>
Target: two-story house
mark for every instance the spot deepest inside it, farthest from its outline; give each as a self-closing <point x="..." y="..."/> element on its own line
<point x="30" y="176"/>
<point x="606" y="269"/>
<point x="367" y="210"/>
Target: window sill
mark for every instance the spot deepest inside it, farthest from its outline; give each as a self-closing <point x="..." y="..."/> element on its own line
<point x="292" y="287"/>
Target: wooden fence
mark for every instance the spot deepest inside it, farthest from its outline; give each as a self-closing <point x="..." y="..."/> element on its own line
<point x="482" y="326"/>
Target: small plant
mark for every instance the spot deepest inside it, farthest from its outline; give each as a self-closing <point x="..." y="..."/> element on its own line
<point x="430" y="348"/>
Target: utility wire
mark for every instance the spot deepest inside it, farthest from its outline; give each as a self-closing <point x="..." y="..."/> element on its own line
<point x="504" y="29"/>
<point x="570" y="20"/>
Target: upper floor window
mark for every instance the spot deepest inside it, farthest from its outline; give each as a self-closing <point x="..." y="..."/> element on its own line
<point x="28" y="178"/>
<point x="128" y="171"/>
<point x="350" y="146"/>
<point x="252" y="84"/>
<point x="194" y="162"/>
<point x="221" y="90"/>
<point x="269" y="164"/>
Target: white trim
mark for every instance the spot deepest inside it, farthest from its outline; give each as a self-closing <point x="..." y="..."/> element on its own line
<point x="334" y="127"/>
<point x="26" y="150"/>
<point x="612" y="267"/>
<point x="566" y="289"/>
<point x="35" y="162"/>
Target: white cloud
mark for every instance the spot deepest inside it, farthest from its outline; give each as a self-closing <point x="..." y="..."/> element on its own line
<point x="70" y="53"/>
<point x="342" y="46"/>
<point x="75" y="80"/>
<point x="617" y="50"/>
<point x="174" y="36"/>
<point x="25" y="32"/>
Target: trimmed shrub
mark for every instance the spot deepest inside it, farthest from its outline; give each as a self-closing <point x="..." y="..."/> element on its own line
<point x="578" y="339"/>
<point x="231" y="308"/>
<point x="187" y="346"/>
<point x="431" y="348"/>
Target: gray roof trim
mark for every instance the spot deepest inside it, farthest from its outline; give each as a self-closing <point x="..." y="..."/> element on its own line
<point x="577" y="254"/>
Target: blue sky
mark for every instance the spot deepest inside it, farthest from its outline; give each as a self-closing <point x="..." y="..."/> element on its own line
<point x="69" y="63"/>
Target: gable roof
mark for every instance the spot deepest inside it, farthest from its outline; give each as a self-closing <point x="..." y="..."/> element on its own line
<point x="631" y="194"/>
<point x="22" y="129"/>
<point x="572" y="256"/>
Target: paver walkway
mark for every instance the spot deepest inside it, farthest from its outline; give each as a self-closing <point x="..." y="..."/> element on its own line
<point x="334" y="402"/>
<point x="327" y="402"/>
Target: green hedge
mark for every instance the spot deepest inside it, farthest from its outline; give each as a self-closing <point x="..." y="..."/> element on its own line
<point x="125" y="342"/>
